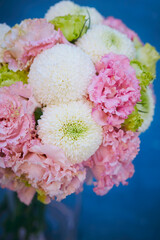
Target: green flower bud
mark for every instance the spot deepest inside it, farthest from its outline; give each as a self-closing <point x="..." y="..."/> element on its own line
<point x="72" y="26"/>
<point x="148" y="56"/>
<point x="145" y="77"/>
<point x="133" y="122"/>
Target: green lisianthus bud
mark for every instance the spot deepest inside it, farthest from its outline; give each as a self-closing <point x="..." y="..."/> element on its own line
<point x="143" y="106"/>
<point x="146" y="108"/>
<point x="133" y="122"/>
<point x="9" y="77"/>
<point x="148" y="56"/>
<point x="142" y="116"/>
<point x="72" y="26"/>
<point x="143" y="74"/>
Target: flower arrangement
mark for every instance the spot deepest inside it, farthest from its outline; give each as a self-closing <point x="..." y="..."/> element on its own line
<point x="76" y="91"/>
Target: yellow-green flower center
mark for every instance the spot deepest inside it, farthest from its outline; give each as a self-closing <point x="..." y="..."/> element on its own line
<point x="111" y="39"/>
<point x="74" y="130"/>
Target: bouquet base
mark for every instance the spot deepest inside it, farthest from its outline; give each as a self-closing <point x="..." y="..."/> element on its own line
<point x="57" y="220"/>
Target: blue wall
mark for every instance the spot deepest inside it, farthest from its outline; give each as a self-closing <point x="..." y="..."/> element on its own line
<point x="128" y="212"/>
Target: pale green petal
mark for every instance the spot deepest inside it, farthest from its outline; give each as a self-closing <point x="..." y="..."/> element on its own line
<point x="145" y="77"/>
<point x="133" y="122"/>
<point x="72" y="26"/>
<point x="142" y="116"/>
<point x="148" y="56"/>
<point x="146" y="109"/>
<point x="137" y="43"/>
<point x="9" y="77"/>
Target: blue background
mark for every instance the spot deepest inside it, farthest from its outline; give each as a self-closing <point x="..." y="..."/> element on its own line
<point x="128" y="212"/>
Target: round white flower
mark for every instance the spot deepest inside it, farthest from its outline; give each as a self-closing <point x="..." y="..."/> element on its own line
<point x="71" y="127"/>
<point x="147" y="110"/>
<point x="101" y="39"/>
<point x="4" y="28"/>
<point x="61" y="74"/>
<point x="63" y="8"/>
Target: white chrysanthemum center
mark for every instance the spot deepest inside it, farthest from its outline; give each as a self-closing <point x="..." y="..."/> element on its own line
<point x="63" y="8"/>
<point x="101" y="40"/>
<point x="71" y="127"/>
<point x="61" y="74"/>
<point x="74" y="130"/>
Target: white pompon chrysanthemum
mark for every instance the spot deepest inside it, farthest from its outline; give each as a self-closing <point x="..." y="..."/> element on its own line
<point x="101" y="40"/>
<point x="61" y="74"/>
<point x="4" y="28"/>
<point x="67" y="7"/>
<point x="147" y="110"/>
<point x="71" y="127"/>
<point x="61" y="8"/>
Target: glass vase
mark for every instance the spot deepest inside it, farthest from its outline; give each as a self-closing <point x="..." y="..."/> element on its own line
<point x="57" y="220"/>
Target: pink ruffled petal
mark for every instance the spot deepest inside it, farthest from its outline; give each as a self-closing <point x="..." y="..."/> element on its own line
<point x="112" y="163"/>
<point x="17" y="124"/>
<point x="25" y="41"/>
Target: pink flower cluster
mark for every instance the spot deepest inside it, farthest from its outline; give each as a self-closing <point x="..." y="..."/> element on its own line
<point x="27" y="165"/>
<point x="48" y="170"/>
<point x="121" y="27"/>
<point x="25" y="41"/>
<point x="112" y="163"/>
<point x="24" y="162"/>
<point x="17" y="124"/>
<point x="114" y="90"/>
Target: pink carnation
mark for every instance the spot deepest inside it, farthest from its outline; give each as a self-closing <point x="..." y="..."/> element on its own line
<point x="121" y="27"/>
<point x="112" y="163"/>
<point x="114" y="91"/>
<point x="17" y="124"/>
<point x="25" y="41"/>
<point x="47" y="169"/>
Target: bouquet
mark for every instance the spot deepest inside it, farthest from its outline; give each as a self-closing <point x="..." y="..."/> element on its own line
<point x="76" y="91"/>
